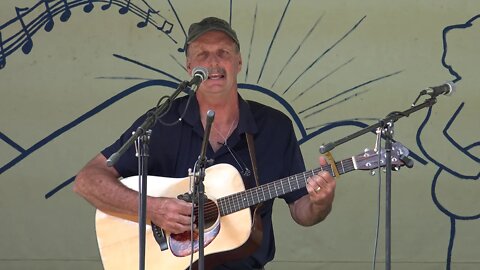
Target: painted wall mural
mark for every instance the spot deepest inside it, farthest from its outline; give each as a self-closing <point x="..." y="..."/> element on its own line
<point x="75" y="73"/>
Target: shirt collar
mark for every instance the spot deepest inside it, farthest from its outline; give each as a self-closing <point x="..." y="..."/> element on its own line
<point x="246" y="121"/>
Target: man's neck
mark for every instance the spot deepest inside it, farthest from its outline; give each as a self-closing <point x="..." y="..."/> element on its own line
<point x="226" y="109"/>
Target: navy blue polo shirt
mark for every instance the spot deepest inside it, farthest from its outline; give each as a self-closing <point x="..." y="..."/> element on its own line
<point x="174" y="149"/>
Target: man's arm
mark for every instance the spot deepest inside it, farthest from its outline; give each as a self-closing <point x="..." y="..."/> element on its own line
<point x="99" y="185"/>
<point x="317" y="204"/>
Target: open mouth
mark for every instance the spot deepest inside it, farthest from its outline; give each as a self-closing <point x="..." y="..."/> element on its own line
<point x="216" y="76"/>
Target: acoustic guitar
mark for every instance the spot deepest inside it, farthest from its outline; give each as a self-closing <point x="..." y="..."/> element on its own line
<point x="231" y="231"/>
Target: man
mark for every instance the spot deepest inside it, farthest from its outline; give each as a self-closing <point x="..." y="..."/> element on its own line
<point x="212" y="44"/>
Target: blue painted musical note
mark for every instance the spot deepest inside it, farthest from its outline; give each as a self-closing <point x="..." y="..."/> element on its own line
<point x="88" y="7"/>
<point x="67" y="13"/>
<point x="144" y="23"/>
<point x="107" y="6"/>
<point x="125" y="9"/>
<point x="3" y="58"/>
<point x="168" y="24"/>
<point x="27" y="47"/>
<point x="50" y="24"/>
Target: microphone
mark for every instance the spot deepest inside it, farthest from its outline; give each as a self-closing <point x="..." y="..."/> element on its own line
<point x="208" y="126"/>
<point x="199" y="74"/>
<point x="447" y="89"/>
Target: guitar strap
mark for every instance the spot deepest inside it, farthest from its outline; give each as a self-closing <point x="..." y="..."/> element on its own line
<point x="251" y="151"/>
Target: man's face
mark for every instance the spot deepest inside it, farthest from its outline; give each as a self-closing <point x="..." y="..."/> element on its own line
<point x="217" y="52"/>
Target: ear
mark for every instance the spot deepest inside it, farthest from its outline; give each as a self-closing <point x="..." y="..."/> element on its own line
<point x="240" y="62"/>
<point x="188" y="65"/>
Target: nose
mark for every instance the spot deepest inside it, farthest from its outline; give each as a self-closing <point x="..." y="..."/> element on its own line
<point x="213" y="60"/>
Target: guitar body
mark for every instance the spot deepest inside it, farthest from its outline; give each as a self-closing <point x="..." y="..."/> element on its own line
<point x="233" y="235"/>
<point x="117" y="235"/>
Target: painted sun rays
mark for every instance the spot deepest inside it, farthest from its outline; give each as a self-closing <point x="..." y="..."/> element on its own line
<point x="310" y="110"/>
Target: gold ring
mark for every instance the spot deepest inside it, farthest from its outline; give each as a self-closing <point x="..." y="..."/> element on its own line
<point x="318" y="189"/>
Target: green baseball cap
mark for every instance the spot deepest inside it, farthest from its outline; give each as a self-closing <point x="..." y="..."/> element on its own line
<point x="210" y="24"/>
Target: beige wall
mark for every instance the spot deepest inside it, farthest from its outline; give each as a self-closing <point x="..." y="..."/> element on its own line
<point x="351" y="60"/>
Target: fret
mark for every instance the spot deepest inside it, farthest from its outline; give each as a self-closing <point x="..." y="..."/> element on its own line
<point x="234" y="201"/>
<point x="281" y="185"/>
<point x="226" y="205"/>
<point x="289" y="185"/>
<point x="343" y="168"/>
<point x="223" y="205"/>
<point x="231" y="203"/>
<point x="254" y="195"/>
<point x="220" y="207"/>
<point x="245" y="202"/>
<point x="331" y="170"/>
<point x="245" y="199"/>
<point x="275" y="188"/>
<point x="258" y="197"/>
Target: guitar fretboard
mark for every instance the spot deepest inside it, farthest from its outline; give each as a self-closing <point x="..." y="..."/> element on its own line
<point x="241" y="200"/>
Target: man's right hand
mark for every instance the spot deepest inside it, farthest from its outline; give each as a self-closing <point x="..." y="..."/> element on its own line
<point x="172" y="215"/>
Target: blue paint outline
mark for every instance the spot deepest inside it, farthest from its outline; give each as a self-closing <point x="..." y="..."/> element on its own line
<point x="22" y="38"/>
<point x="452" y="217"/>
<point x="84" y="117"/>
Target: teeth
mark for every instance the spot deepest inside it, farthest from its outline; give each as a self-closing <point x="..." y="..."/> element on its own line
<point x="215" y="76"/>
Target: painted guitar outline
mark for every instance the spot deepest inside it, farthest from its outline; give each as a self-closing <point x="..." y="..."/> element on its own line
<point x="444" y="168"/>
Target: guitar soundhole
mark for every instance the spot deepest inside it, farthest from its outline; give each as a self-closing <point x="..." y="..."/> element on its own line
<point x="181" y="244"/>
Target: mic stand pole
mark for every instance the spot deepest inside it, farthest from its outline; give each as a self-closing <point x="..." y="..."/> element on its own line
<point x="142" y="136"/>
<point x="387" y="133"/>
<point x="143" y="154"/>
<point x="199" y="189"/>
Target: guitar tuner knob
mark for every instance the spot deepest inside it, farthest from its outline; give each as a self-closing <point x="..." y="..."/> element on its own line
<point x="407" y="161"/>
<point x="373" y="172"/>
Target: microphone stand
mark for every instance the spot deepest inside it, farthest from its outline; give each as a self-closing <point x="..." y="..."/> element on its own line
<point x="141" y="137"/>
<point x="199" y="189"/>
<point x="386" y="125"/>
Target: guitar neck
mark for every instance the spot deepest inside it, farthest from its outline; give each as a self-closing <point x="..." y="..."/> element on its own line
<point x="241" y="200"/>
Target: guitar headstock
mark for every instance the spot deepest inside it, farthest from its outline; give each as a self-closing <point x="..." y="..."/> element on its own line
<point x="371" y="159"/>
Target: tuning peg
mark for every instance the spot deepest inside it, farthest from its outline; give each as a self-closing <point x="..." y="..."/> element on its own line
<point x="407" y="161"/>
<point x="373" y="172"/>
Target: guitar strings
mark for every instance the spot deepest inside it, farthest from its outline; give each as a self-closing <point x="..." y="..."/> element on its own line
<point x="235" y="200"/>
